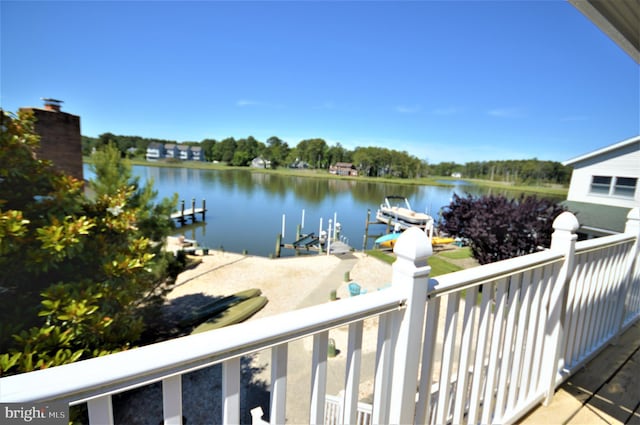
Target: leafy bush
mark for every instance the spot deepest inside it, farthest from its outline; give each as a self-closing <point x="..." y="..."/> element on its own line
<point x="499" y="228"/>
<point x="77" y="270"/>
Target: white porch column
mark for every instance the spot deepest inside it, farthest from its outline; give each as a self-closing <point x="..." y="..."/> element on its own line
<point x="411" y="276"/>
<point x="563" y="240"/>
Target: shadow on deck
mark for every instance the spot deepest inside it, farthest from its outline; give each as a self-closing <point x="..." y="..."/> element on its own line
<point x="605" y="391"/>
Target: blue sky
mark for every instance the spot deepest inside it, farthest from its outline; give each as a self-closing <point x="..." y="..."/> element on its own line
<point x="446" y="81"/>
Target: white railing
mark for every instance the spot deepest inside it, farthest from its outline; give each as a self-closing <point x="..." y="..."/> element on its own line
<point x="489" y="343"/>
<point x="333" y="411"/>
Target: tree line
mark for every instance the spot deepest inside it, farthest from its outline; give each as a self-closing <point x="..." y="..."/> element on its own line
<point x="369" y="161"/>
<point x="526" y="171"/>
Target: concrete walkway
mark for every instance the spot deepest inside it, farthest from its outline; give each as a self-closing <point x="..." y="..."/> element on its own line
<point x="605" y="391"/>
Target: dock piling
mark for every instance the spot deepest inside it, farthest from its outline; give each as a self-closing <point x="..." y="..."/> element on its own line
<point x="183" y="214"/>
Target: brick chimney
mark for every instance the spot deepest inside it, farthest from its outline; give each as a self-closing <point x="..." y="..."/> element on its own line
<point x="60" y="139"/>
<point x="52" y="104"/>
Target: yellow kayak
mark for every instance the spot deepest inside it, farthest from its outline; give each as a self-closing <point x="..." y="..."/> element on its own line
<point x="436" y="240"/>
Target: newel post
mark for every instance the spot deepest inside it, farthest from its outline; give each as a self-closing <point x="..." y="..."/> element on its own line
<point x="563" y="240"/>
<point x="411" y="277"/>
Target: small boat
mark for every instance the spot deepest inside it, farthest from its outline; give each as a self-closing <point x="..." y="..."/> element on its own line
<point x="388" y="240"/>
<point x="396" y="210"/>
<point x="437" y="240"/>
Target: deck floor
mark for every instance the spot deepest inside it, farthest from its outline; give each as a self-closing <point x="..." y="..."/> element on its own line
<point x="605" y="391"/>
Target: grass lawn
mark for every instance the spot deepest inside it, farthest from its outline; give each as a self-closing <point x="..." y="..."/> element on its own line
<point x="457" y="254"/>
<point x="439" y="262"/>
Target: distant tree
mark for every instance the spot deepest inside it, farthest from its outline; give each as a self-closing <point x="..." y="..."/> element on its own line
<point x="337" y="153"/>
<point x="224" y="150"/>
<point x="76" y="269"/>
<point x="445" y="168"/>
<point x="276" y="151"/>
<point x="89" y="144"/>
<point x="207" y="148"/>
<point x="499" y="228"/>
<point x="246" y="150"/>
<point x="313" y="151"/>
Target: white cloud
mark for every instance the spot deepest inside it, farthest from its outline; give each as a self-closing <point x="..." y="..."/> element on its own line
<point x="506" y="113"/>
<point x="326" y="105"/>
<point x="246" y="102"/>
<point x="449" y="110"/>
<point x="249" y="102"/>
<point x="403" y="109"/>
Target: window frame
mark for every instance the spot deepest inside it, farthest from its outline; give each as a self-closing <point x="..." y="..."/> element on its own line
<point x="601" y="188"/>
<point x="613" y="186"/>
<point x="628" y="190"/>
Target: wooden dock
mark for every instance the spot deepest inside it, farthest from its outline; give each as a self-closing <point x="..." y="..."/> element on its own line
<point x="185" y="214"/>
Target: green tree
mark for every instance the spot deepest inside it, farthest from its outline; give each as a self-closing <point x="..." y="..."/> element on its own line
<point x="77" y="270"/>
<point x="313" y="151"/>
<point x="224" y="150"/>
<point x="246" y="150"/>
<point x="207" y="148"/>
<point x="337" y="153"/>
<point x="276" y="151"/>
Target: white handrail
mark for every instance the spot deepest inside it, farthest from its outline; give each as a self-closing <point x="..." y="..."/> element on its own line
<point x="81" y="381"/>
<point x="476" y="276"/>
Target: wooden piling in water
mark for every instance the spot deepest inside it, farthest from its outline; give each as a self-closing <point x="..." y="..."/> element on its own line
<point x="278" y="244"/>
<point x="183" y="214"/>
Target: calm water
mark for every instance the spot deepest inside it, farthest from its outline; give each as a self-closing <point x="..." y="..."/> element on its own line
<point x="245" y="208"/>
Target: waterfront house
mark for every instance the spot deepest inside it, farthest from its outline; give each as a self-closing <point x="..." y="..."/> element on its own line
<point x="197" y="154"/>
<point x="604" y="187"/>
<point x="170" y="150"/>
<point x="260" y="162"/>
<point x="343" y="169"/>
<point x="299" y="164"/>
<point x="184" y="152"/>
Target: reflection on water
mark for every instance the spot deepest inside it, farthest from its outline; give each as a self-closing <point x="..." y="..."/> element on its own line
<point x="245" y="208"/>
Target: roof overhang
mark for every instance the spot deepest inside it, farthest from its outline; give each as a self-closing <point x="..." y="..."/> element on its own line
<point x="633" y="141"/>
<point x="618" y="19"/>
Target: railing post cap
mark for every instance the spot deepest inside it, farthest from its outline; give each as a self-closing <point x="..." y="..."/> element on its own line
<point x="413" y="245"/>
<point x="567" y="222"/>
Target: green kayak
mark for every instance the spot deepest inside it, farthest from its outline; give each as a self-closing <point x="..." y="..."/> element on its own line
<point x="206" y="311"/>
<point x="234" y="314"/>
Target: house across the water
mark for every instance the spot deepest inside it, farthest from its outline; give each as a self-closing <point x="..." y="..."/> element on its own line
<point x="157" y="151"/>
<point x="343" y="169"/>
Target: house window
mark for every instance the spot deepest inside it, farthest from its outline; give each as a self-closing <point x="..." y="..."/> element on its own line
<point x="601" y="185"/>
<point x="625" y="186"/>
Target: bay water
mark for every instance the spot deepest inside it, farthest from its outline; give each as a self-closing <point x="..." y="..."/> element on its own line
<point x="245" y="208"/>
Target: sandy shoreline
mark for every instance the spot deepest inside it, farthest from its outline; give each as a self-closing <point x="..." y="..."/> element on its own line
<point x="284" y="281"/>
<point x="288" y="283"/>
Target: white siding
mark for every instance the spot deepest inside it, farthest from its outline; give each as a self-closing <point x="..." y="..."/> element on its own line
<point x="619" y="163"/>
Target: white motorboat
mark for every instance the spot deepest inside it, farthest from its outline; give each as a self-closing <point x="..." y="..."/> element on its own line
<point x="396" y="210"/>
